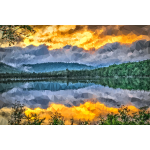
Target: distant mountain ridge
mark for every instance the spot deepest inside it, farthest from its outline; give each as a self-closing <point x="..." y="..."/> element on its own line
<point x="53" y="66"/>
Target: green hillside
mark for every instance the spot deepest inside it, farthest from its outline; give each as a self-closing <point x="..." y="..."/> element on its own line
<point x="141" y="68"/>
<point x="54" y="66"/>
<point x="8" y="69"/>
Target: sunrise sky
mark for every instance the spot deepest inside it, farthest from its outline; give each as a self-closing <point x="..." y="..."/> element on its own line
<point x="85" y="36"/>
<point x="88" y="44"/>
<point x="95" y="45"/>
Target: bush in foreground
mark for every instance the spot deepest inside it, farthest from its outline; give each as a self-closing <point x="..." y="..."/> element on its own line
<point x="124" y="117"/>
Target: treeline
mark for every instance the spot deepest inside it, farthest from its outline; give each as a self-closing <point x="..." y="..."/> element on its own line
<point x="141" y="68"/>
<point x="135" y="69"/>
<point x="23" y="75"/>
<point x="55" y="74"/>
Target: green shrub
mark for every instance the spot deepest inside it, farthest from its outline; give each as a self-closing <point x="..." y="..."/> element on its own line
<point x="124" y="117"/>
<point x="56" y="119"/>
<point x="18" y="116"/>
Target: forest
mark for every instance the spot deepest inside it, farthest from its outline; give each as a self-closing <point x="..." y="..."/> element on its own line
<point x="134" y="69"/>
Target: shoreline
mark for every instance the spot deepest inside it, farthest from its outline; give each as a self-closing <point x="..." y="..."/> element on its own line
<point x="69" y="78"/>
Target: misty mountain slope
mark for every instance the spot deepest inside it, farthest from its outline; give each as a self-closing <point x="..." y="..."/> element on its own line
<point x="48" y="67"/>
<point x="104" y="56"/>
<point x="9" y="69"/>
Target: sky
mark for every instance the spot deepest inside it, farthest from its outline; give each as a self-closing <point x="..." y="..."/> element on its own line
<point x="85" y="36"/>
<point x="86" y="44"/>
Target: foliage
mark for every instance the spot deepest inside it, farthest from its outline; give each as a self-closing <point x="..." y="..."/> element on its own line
<point x="13" y="33"/>
<point x="124" y="117"/>
<point x="56" y="119"/>
<point x="18" y="116"/>
<point x="134" y="69"/>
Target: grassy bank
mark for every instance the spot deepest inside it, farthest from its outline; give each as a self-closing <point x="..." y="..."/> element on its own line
<point x="123" y="117"/>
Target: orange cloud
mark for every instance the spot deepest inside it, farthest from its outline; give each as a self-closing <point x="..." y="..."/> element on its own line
<point x="87" y="37"/>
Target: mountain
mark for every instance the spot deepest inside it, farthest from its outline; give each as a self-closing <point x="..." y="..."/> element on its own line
<point x="9" y="69"/>
<point x="53" y="66"/>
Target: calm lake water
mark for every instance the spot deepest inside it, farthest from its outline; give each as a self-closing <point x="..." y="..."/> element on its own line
<point x="113" y="92"/>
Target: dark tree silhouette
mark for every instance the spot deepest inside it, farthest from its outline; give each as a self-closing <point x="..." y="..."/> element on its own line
<point x="13" y="33"/>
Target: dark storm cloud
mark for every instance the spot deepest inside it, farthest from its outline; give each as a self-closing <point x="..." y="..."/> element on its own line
<point x="141" y="26"/>
<point x="95" y="27"/>
<point x="89" y="37"/>
<point x="136" y="29"/>
<point x="121" y="29"/>
<point x="71" y="31"/>
<point x="139" y="29"/>
<point x="78" y="27"/>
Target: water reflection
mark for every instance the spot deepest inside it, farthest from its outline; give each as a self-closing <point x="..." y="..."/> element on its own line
<point x="110" y="91"/>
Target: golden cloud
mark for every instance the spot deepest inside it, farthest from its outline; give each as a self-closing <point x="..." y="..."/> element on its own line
<point x="85" y="36"/>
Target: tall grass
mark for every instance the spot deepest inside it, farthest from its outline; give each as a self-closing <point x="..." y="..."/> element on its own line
<point x="124" y="117"/>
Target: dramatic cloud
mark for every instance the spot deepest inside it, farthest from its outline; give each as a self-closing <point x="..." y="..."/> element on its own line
<point x="104" y="56"/>
<point x="85" y="36"/>
<point x="106" y="45"/>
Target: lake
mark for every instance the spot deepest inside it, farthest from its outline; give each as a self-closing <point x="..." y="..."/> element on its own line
<point x="113" y="92"/>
